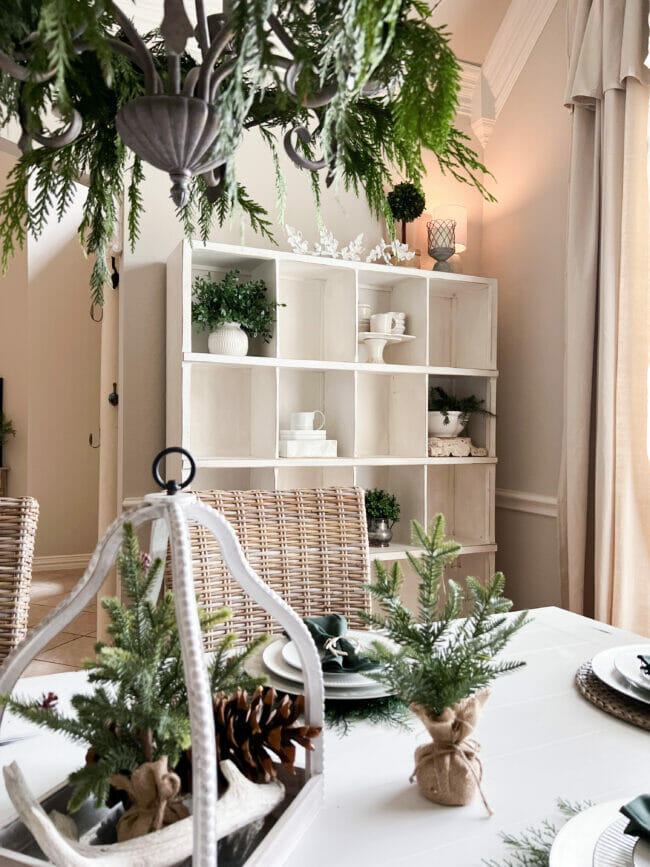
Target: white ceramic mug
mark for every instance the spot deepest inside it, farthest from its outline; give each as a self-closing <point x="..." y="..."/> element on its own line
<point x="382" y="323"/>
<point x="400" y="323"/>
<point x="305" y="420"/>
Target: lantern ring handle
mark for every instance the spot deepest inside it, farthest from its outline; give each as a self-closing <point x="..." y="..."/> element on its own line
<point x="172" y="486"/>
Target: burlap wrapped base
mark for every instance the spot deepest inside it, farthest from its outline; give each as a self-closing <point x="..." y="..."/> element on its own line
<point x="448" y="771"/>
<point x="153" y="789"/>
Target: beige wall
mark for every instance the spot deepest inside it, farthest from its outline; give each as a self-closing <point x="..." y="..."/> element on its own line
<point x="49" y="357"/>
<point x="524" y="246"/>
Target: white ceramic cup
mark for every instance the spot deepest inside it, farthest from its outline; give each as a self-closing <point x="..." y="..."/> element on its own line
<point x="305" y="420"/>
<point x="382" y="323"/>
<point x="400" y="323"/>
<point x="364" y="310"/>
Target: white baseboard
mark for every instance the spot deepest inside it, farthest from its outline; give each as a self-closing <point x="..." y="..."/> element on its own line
<point x="59" y="562"/>
<point x="522" y="501"/>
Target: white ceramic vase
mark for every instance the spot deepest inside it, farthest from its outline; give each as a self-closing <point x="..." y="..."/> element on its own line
<point x="228" y="339"/>
<point x="455" y="427"/>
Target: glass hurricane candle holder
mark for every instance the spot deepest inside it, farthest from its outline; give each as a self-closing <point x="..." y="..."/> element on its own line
<point x="441" y="236"/>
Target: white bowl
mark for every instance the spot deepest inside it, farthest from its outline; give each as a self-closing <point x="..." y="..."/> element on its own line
<point x="454" y="428"/>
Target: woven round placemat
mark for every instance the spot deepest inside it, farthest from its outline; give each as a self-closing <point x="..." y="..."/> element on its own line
<point x="594" y="690"/>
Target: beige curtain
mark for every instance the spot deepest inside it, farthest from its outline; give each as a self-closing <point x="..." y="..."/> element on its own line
<point x="604" y="493"/>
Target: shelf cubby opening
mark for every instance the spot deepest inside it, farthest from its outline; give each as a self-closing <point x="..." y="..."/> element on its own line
<point x="318" y="321"/>
<point x="391" y="415"/>
<point x="462" y="323"/>
<point x="464" y="494"/>
<point x="481" y="428"/>
<point x="331" y="392"/>
<point x="233" y="411"/>
<point x="392" y="293"/>
<point x="290" y="477"/>
<point x="407" y="484"/>
<point x="234" y="479"/>
<point x="215" y="267"/>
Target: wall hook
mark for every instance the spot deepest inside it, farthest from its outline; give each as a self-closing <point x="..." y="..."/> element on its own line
<point x="91" y="442"/>
<point x="115" y="276"/>
<point x="113" y="397"/>
<point x="92" y="313"/>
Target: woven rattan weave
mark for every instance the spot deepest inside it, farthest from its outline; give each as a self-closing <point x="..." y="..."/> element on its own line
<point x="594" y="690"/>
<point x="311" y="546"/>
<point x="18" y="520"/>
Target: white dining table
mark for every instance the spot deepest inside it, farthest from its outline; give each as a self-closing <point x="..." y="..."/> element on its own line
<point x="541" y="740"/>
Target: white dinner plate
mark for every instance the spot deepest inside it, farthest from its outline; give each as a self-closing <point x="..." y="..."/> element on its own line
<point x="605" y="670"/>
<point x="255" y="666"/>
<point x="576" y="841"/>
<point x="274" y="661"/>
<point x="628" y="664"/>
<point x="365" y="638"/>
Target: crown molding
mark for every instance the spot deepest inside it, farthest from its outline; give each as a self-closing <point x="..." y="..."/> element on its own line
<point x="470" y="76"/>
<point x="520" y="29"/>
<point x="482" y="128"/>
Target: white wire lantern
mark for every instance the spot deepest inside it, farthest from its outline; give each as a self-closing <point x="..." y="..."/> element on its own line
<point x="170" y="514"/>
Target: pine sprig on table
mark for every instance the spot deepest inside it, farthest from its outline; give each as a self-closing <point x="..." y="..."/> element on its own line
<point x="138" y="710"/>
<point x="449" y="652"/>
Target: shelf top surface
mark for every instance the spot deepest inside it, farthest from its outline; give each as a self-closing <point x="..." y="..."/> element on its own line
<point x="317" y="364"/>
<point x="229" y="255"/>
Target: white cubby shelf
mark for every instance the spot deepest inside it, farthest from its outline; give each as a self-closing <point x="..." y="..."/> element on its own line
<point x="228" y="411"/>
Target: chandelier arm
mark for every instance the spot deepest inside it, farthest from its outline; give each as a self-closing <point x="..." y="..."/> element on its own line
<point x="145" y="60"/>
<point x="302" y="162"/>
<point x="202" y="32"/>
<point x="62" y="138"/>
<point x="217" y="47"/>
<point x="319" y="99"/>
<point x="215" y="180"/>
<point x="223" y="72"/>
<point x="277" y="27"/>
<point x="126" y="50"/>
<point x="9" y="66"/>
<point x="189" y="85"/>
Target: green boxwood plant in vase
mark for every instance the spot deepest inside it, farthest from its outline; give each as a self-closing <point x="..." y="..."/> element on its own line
<point x="406" y="203"/>
<point x="232" y="311"/>
<point x="446" y="660"/>
<point x="448" y="414"/>
<point x="382" y="512"/>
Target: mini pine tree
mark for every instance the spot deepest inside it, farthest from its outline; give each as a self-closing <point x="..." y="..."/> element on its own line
<point x="138" y="711"/>
<point x="449" y="652"/>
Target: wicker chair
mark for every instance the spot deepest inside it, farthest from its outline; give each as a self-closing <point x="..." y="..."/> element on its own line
<point x="18" y="520"/>
<point x="311" y="546"/>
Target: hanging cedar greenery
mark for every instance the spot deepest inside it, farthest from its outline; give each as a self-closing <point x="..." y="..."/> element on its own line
<point x="394" y="77"/>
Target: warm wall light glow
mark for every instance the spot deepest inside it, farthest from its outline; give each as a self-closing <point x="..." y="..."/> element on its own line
<point x="458" y="213"/>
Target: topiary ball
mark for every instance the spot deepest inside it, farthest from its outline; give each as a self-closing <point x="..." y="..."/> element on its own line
<point x="406" y="202"/>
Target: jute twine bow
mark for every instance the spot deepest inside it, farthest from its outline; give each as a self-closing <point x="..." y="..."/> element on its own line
<point x="467" y="751"/>
<point x="154" y="792"/>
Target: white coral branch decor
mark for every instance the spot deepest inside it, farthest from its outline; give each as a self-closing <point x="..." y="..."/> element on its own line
<point x="328" y="247"/>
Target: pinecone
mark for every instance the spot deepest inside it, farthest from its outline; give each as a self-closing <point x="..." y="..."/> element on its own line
<point x="247" y="734"/>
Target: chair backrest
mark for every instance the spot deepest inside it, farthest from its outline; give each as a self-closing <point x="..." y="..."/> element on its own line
<point x="311" y="546"/>
<point x="18" y="521"/>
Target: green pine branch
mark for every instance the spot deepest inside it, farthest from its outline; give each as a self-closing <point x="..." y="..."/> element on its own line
<point x="451" y="650"/>
<point x="138" y="710"/>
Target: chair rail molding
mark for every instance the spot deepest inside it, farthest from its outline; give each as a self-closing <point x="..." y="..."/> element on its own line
<point x="60" y="562"/>
<point x="523" y="501"/>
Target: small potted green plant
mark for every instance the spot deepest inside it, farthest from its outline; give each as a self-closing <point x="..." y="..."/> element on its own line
<point x="406" y="204"/>
<point x="446" y="659"/>
<point x="232" y="311"/>
<point x="448" y="415"/>
<point x="382" y="511"/>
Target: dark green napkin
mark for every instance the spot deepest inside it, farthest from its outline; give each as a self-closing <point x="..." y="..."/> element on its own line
<point x="645" y="663"/>
<point x="338" y="654"/>
<point x="638" y="812"/>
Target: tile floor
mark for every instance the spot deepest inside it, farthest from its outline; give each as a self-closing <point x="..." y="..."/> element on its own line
<point x="67" y="651"/>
